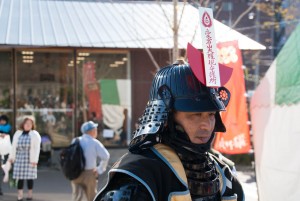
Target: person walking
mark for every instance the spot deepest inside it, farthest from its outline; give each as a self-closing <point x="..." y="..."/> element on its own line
<point x="5" y="131"/>
<point x="93" y="150"/>
<point x="25" y="155"/>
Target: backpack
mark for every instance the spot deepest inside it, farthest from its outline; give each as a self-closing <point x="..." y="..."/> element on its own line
<point x="72" y="160"/>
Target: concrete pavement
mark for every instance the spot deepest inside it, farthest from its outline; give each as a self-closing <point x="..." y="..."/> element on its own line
<point x="247" y="178"/>
<point x="51" y="185"/>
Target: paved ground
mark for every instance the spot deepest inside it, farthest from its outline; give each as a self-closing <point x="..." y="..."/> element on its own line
<point x="247" y="177"/>
<point x="52" y="186"/>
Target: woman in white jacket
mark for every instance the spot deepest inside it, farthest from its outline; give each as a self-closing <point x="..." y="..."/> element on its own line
<point x="25" y="155"/>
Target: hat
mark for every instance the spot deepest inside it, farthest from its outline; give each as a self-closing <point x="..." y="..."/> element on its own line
<point x="88" y="126"/>
<point x="4" y="117"/>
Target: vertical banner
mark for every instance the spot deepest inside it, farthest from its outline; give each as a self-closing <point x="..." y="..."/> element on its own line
<point x="92" y="91"/>
<point x="236" y="140"/>
<point x="212" y="72"/>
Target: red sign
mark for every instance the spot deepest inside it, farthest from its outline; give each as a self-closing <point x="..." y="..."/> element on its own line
<point x="236" y="140"/>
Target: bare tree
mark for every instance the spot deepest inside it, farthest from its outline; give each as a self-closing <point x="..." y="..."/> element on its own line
<point x="152" y="59"/>
<point x="175" y="26"/>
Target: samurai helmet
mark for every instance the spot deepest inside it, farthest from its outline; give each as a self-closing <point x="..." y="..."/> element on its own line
<point x="176" y="88"/>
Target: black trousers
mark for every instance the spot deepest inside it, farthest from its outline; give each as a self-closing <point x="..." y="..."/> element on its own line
<point x="29" y="184"/>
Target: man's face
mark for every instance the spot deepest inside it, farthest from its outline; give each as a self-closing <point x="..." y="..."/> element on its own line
<point x="198" y="125"/>
<point x="93" y="132"/>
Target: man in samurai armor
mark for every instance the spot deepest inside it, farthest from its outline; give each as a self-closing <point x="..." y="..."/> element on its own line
<point x="169" y="156"/>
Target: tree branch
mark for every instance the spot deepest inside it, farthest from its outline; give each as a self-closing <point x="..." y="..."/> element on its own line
<point x="159" y="2"/>
<point x="181" y="14"/>
<point x="243" y="14"/>
<point x="152" y="59"/>
<point x="219" y="10"/>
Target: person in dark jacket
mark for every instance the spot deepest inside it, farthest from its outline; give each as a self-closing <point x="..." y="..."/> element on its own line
<point x="169" y="156"/>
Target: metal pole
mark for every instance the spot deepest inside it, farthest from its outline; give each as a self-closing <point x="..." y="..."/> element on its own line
<point x="14" y="67"/>
<point x="257" y="38"/>
<point x="75" y="96"/>
<point x="175" y="31"/>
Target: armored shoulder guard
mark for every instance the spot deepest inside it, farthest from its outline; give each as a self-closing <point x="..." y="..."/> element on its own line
<point x="233" y="186"/>
<point x="124" y="188"/>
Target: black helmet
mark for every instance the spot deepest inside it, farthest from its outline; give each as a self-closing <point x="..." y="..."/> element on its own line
<point x="175" y="87"/>
<point x="189" y="95"/>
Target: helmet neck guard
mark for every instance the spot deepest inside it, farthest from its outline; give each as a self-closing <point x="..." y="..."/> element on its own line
<point x="150" y="125"/>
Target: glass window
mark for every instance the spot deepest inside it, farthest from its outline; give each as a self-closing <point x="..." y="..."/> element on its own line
<point x="45" y="90"/>
<point x="104" y="94"/>
<point x="6" y="88"/>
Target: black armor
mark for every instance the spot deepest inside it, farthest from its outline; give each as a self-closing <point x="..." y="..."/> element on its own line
<point x="124" y="188"/>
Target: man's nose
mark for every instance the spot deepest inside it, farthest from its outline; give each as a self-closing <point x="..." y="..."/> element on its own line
<point x="205" y="123"/>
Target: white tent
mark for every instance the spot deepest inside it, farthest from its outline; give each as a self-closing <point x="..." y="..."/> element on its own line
<point x="275" y="111"/>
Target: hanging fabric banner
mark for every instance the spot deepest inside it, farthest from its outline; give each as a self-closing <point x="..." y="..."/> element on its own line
<point x="236" y="140"/>
<point x="92" y="91"/>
